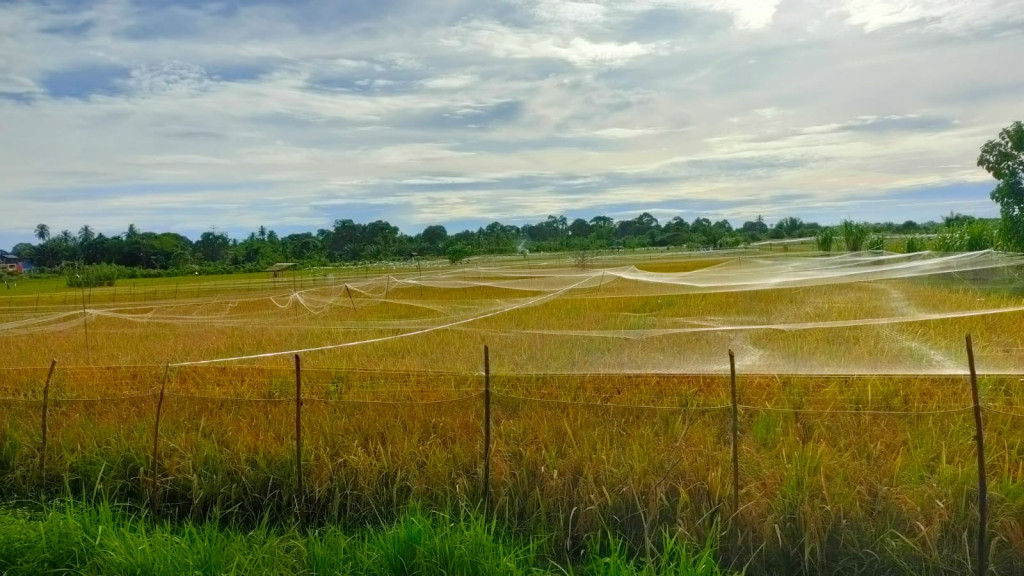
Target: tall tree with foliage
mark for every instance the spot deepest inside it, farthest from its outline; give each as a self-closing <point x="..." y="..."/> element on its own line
<point x="42" y="232"/>
<point x="1003" y="158"/>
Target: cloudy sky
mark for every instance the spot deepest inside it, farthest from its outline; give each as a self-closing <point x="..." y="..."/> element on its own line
<point x="192" y="115"/>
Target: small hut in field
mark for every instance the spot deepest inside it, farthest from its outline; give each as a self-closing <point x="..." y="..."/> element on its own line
<point x="277" y="270"/>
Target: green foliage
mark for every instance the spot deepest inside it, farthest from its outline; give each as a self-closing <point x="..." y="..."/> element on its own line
<point x="915" y="244"/>
<point x="825" y="240"/>
<point x="1003" y="158"/>
<point x="969" y="236"/>
<point x="457" y="253"/>
<point x="854" y="234"/>
<point x="876" y="242"/>
<point x="99" y="539"/>
<point x="140" y="253"/>
<point x="94" y="276"/>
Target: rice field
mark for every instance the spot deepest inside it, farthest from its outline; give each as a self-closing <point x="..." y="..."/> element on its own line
<point x="609" y="392"/>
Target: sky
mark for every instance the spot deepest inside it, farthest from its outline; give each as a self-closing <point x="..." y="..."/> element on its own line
<point x="189" y="116"/>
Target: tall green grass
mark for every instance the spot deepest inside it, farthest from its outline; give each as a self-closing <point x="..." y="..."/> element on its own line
<point x="102" y="539"/>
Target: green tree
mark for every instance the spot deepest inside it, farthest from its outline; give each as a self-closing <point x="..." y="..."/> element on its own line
<point x="42" y="232"/>
<point x="1003" y="158"/>
<point x="434" y="238"/>
<point x="86" y="234"/>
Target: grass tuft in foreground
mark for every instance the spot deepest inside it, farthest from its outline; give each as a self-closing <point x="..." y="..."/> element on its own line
<point x="99" y="539"/>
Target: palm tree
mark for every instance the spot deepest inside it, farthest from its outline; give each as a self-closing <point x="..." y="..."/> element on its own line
<point x="86" y="234"/>
<point x="262" y="233"/>
<point x="132" y="232"/>
<point x="42" y="232"/>
<point x="66" y="237"/>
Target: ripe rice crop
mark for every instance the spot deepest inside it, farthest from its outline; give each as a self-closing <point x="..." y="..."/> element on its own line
<point x="610" y="403"/>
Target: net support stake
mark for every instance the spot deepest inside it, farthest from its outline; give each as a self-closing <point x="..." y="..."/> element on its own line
<point x="46" y="404"/>
<point x="300" y="499"/>
<point x="85" y="325"/>
<point x="735" y="436"/>
<point x="351" y="301"/>
<point x="155" y="485"/>
<point x="487" y="430"/>
<point x="979" y="437"/>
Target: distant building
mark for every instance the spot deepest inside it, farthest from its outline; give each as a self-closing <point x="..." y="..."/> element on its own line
<point x="11" y="263"/>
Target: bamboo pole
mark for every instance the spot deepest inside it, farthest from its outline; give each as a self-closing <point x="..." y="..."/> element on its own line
<point x="85" y="324"/>
<point x="487" y="430"/>
<point x="349" y="292"/>
<point x="46" y="404"/>
<point x="156" y="441"/>
<point x="300" y="499"/>
<point x="982" y="480"/>
<point x="735" y="436"/>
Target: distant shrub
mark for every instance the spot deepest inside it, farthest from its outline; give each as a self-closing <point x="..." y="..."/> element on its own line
<point x="94" y="276"/>
<point x="969" y="236"/>
<point x="457" y="253"/>
<point x="582" y="259"/>
<point x="876" y="243"/>
<point x="914" y="244"/>
<point x="825" y="239"/>
<point x="854" y="234"/>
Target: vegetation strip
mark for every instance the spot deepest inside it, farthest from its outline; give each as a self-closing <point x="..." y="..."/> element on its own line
<point x="101" y="539"/>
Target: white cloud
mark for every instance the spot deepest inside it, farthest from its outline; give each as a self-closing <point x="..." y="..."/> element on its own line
<point x="506" y="42"/>
<point x="463" y="110"/>
<point x="951" y="15"/>
<point x="450" y="82"/>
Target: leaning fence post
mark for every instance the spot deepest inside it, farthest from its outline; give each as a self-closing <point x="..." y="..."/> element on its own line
<point x="299" y="494"/>
<point x="982" y="480"/>
<point x="487" y="429"/>
<point x="349" y="292"/>
<point x="46" y="401"/>
<point x="735" y="437"/>
<point x="154" y="486"/>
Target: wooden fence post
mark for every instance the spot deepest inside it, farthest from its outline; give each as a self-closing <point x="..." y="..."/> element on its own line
<point x="156" y="442"/>
<point x="487" y="429"/>
<point x="735" y="436"/>
<point x="300" y="499"/>
<point x="982" y="480"/>
<point x="46" y="403"/>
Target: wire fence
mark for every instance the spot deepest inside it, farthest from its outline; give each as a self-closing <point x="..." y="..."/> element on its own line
<point x="419" y="388"/>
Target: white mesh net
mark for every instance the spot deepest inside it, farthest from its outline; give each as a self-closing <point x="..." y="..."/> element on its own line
<point x="858" y="313"/>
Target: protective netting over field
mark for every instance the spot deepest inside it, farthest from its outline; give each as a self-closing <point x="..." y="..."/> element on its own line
<point x="859" y="313"/>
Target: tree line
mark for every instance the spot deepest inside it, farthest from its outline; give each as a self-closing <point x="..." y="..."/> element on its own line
<point x="349" y="241"/>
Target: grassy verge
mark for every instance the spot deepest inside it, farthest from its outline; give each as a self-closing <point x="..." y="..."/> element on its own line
<point x="99" y="539"/>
